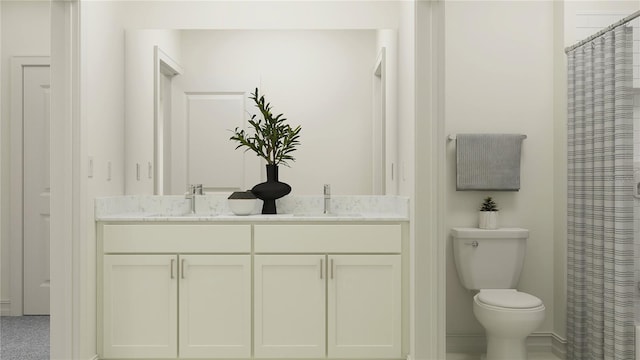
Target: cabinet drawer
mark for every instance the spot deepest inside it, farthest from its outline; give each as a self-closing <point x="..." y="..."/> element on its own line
<point x="159" y="238"/>
<point x="328" y="238"/>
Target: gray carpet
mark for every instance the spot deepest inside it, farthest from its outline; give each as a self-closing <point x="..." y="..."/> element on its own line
<point x="24" y="337"/>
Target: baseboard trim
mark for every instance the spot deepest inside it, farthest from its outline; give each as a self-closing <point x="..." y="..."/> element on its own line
<point x="466" y="343"/>
<point x="536" y="342"/>
<point x="95" y="357"/>
<point x="5" y="308"/>
<point x="559" y="346"/>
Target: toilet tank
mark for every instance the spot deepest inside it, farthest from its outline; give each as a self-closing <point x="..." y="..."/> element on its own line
<point x="489" y="259"/>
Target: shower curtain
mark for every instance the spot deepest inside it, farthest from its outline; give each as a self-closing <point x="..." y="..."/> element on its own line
<point x="600" y="272"/>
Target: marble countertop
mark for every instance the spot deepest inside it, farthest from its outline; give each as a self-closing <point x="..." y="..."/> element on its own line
<point x="253" y="218"/>
<point x="214" y="208"/>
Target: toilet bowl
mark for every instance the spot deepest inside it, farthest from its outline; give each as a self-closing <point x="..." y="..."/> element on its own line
<point x="508" y="317"/>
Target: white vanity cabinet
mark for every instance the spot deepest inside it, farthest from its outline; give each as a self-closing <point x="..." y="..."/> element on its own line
<point x="289" y="306"/>
<point x="328" y="305"/>
<point x="215" y="306"/>
<point x="179" y="304"/>
<point x="364" y="306"/>
<point x="250" y="290"/>
<point x="140" y="302"/>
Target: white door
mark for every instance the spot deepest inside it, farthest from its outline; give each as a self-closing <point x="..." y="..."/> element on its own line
<point x="215" y="306"/>
<point x="364" y="309"/>
<point x="140" y="306"/>
<point x="36" y="190"/>
<point x="289" y="303"/>
<point x="203" y="112"/>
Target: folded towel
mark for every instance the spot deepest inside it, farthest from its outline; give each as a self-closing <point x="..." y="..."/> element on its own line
<point x="488" y="161"/>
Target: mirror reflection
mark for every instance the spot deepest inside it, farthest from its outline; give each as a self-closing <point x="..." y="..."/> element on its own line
<point x="335" y="84"/>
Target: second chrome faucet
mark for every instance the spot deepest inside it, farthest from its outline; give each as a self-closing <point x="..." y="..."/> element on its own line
<point x="327" y="198"/>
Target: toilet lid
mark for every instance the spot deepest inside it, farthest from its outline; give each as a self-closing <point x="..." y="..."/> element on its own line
<point x="508" y="298"/>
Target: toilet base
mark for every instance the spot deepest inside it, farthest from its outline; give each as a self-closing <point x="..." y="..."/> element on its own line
<point x="499" y="348"/>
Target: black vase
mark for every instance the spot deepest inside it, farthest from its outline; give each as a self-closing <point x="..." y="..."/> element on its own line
<point x="271" y="190"/>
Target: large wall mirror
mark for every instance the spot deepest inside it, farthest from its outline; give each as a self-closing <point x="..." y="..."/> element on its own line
<point x="339" y="85"/>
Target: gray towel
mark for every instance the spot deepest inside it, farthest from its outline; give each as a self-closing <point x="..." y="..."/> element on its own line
<point x="488" y="161"/>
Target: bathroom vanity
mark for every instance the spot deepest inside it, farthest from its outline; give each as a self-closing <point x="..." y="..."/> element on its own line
<point x="219" y="286"/>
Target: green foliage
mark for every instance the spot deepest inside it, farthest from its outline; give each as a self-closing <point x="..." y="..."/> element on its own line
<point x="489" y="205"/>
<point x="273" y="140"/>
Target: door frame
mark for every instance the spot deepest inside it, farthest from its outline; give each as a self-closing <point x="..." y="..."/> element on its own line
<point x="380" y="164"/>
<point x="18" y="64"/>
<point x="70" y="297"/>
<point x="429" y="238"/>
<point x="163" y="64"/>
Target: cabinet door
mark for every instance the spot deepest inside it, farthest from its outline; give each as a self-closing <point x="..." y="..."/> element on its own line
<point x="364" y="306"/>
<point x="289" y="306"/>
<point x="140" y="306"/>
<point x="215" y="306"/>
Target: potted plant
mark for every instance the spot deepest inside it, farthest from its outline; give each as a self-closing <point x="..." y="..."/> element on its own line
<point x="488" y="215"/>
<point x="273" y="140"/>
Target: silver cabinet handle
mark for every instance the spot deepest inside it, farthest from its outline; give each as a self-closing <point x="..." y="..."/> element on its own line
<point x="172" y="263"/>
<point x="182" y="268"/>
<point x="332" y="268"/>
<point x="473" y="244"/>
<point x="321" y="261"/>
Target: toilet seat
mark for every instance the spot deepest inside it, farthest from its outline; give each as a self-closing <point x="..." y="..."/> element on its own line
<point x="508" y="299"/>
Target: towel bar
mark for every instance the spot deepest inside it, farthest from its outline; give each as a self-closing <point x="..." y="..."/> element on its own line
<point x="452" y="137"/>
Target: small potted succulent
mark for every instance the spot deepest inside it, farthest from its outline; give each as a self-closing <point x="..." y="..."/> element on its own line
<point x="488" y="215"/>
<point x="242" y="202"/>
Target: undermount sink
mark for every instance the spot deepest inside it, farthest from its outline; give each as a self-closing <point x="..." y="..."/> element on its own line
<point x="310" y="215"/>
<point x="188" y="215"/>
<point x="330" y="215"/>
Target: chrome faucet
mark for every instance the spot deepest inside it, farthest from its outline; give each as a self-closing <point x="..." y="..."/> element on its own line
<point x="192" y="191"/>
<point x="191" y="195"/>
<point x="327" y="198"/>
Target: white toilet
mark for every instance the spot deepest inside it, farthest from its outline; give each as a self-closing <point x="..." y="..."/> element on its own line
<point x="490" y="261"/>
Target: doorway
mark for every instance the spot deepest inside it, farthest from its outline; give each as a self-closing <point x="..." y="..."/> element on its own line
<point x="165" y="68"/>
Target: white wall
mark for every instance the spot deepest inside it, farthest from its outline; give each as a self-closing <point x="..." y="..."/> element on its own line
<point x="499" y="78"/>
<point x="102" y="139"/>
<point x="139" y="100"/>
<point x="103" y="96"/>
<point x="575" y="29"/>
<point x="404" y="141"/>
<point x="103" y="43"/>
<point x="25" y="32"/>
<point x="560" y="173"/>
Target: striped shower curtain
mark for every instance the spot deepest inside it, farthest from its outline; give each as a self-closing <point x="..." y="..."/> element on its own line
<point x="600" y="264"/>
